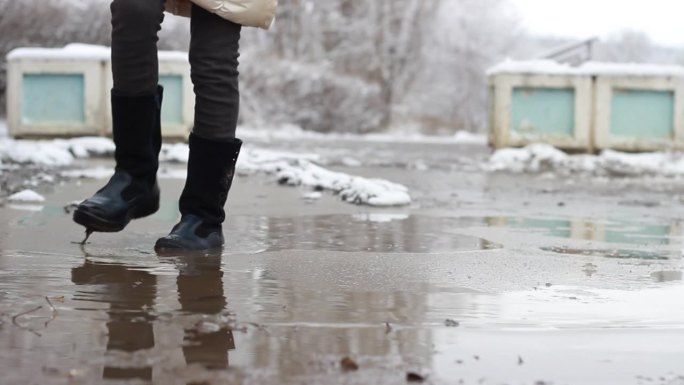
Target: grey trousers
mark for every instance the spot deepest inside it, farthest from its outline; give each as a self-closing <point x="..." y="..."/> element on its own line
<point x="214" y="52"/>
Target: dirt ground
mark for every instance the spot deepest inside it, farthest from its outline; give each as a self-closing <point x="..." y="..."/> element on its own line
<point x="484" y="279"/>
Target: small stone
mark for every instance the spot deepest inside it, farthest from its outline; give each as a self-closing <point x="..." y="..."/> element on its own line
<point x="451" y="323"/>
<point x="415" y="377"/>
<point x="349" y="365"/>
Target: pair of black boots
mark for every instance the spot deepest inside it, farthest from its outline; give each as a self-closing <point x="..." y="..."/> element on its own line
<point x="133" y="191"/>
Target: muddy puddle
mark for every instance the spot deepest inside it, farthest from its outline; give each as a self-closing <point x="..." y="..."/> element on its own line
<point x="471" y="300"/>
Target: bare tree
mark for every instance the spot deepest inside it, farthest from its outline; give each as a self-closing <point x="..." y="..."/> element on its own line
<point x="627" y="47"/>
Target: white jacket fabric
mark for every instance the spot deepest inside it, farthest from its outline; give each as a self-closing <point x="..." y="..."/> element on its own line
<point x="250" y="13"/>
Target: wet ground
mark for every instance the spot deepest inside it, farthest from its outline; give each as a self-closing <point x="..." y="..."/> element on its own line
<point x="485" y="279"/>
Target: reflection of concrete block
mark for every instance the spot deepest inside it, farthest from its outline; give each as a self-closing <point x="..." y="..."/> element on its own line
<point x="179" y="99"/>
<point x="546" y="108"/>
<point x="639" y="113"/>
<point x="55" y="92"/>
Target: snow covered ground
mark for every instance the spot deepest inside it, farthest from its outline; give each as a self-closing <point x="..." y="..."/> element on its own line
<point x="287" y="168"/>
<point x="42" y="161"/>
<point x="544" y="158"/>
<point x="292" y="132"/>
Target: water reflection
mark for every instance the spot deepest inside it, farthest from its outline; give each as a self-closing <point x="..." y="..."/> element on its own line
<point x="611" y="253"/>
<point x="200" y="291"/>
<point x="131" y="294"/>
<point x="377" y="232"/>
<point x="610" y="231"/>
<point x="387" y="232"/>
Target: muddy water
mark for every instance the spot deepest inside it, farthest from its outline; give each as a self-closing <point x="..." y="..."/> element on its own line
<point x="459" y="299"/>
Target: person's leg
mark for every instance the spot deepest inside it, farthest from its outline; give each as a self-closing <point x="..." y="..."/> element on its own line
<point x="136" y="106"/>
<point x="214" y="52"/>
<point x="135" y="25"/>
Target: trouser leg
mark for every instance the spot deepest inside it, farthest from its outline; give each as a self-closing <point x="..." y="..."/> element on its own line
<point x="214" y="52"/>
<point x="135" y="24"/>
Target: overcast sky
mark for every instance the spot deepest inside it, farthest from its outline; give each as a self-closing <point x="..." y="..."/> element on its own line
<point x="662" y="20"/>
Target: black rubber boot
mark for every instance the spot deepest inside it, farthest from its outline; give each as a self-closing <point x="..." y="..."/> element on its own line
<point x="211" y="167"/>
<point x="133" y="191"/>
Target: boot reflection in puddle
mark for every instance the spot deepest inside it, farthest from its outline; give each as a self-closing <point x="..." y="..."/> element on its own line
<point x="130" y="295"/>
<point x="200" y="291"/>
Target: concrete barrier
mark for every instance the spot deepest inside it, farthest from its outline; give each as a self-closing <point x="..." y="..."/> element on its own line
<point x="548" y="108"/>
<point x="56" y="92"/>
<point x="64" y="92"/>
<point x="638" y="108"/>
<point x="595" y="106"/>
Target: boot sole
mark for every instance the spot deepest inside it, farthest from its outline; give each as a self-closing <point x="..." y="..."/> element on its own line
<point x="164" y="245"/>
<point x="95" y="223"/>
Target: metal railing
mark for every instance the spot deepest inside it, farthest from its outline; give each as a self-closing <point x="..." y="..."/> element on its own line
<point x="574" y="53"/>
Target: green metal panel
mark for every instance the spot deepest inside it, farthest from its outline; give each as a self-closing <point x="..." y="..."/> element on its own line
<point x="172" y="108"/>
<point x="53" y="99"/>
<point x="543" y="111"/>
<point x="642" y="114"/>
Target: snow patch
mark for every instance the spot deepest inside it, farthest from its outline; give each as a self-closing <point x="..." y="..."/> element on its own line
<point x="381" y="217"/>
<point x="178" y="153"/>
<point x="26" y="196"/>
<point x="550" y="67"/>
<point x="290" y="168"/>
<point x="539" y="158"/>
<point x="71" y="51"/>
<point x="293" y="132"/>
<point x="54" y="153"/>
<point x="85" y="147"/>
<point x="42" y="153"/>
<point x="296" y="169"/>
<point x="312" y="196"/>
<point x="352" y="189"/>
<point x="78" y="51"/>
<point x="89" y="173"/>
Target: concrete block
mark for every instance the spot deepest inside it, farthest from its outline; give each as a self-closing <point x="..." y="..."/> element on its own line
<point x="56" y="92"/>
<point x="639" y="113"/>
<point x="540" y="108"/>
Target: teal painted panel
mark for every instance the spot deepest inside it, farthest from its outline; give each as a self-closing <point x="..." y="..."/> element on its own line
<point x="543" y="111"/>
<point x="551" y="227"/>
<point x="53" y="99"/>
<point x="639" y="234"/>
<point x="642" y="114"/>
<point x="172" y="108"/>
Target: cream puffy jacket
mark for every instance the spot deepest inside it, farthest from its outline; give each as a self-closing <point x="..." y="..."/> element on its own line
<point x="250" y="13"/>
